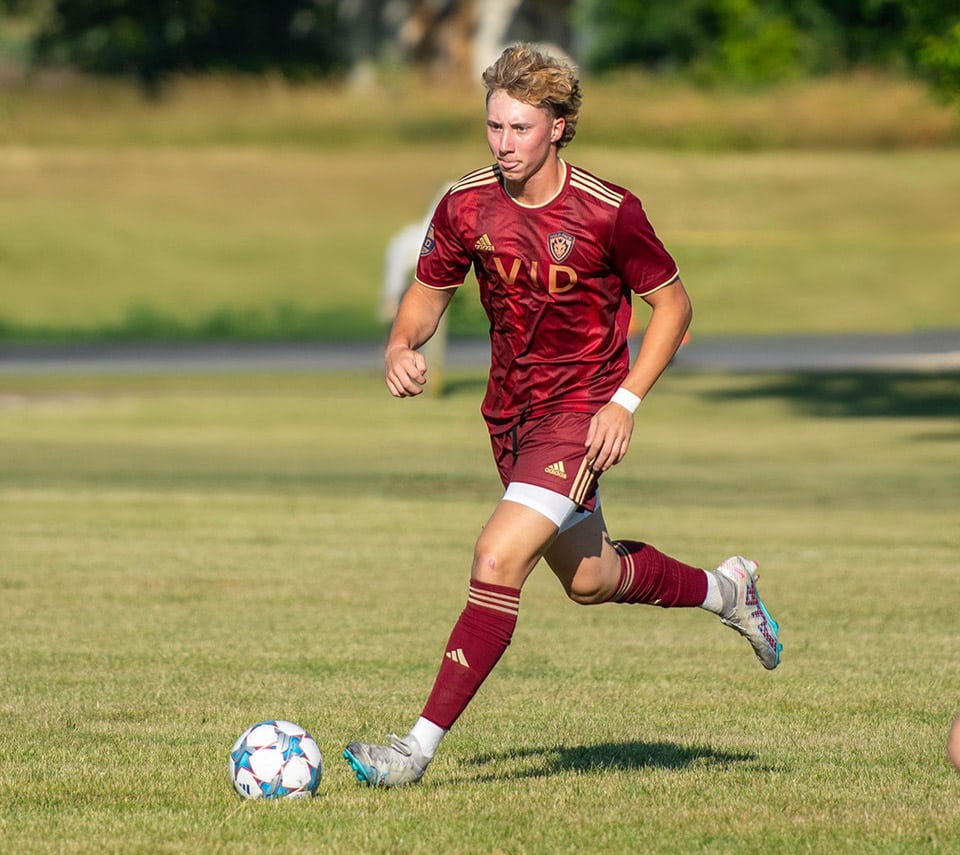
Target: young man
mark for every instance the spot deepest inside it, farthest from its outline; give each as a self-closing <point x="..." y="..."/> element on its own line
<point x="557" y="253"/>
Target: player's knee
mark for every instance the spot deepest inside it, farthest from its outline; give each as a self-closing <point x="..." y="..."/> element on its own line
<point x="491" y="566"/>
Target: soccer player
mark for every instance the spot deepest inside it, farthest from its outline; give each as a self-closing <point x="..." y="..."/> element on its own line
<point x="557" y="253"/>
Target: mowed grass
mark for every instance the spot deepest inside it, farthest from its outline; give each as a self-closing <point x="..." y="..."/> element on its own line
<point x="396" y="108"/>
<point x="184" y="556"/>
<point x="264" y="243"/>
<point x="250" y="208"/>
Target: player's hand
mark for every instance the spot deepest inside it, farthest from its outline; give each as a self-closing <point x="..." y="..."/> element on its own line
<point x="609" y="437"/>
<point x="406" y="371"/>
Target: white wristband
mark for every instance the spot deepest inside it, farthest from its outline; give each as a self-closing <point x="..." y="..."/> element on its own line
<point x="626" y="399"/>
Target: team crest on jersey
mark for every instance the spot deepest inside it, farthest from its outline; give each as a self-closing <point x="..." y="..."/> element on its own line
<point x="560" y="244"/>
<point x="429" y="242"/>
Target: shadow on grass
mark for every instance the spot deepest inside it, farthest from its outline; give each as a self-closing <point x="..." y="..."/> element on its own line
<point x="838" y="394"/>
<point x="609" y="756"/>
<point x="859" y="394"/>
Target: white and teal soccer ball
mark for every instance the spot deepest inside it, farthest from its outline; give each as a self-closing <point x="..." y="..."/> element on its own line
<point x="275" y="759"/>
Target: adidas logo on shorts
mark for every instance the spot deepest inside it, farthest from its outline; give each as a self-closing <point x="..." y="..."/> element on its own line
<point x="557" y="469"/>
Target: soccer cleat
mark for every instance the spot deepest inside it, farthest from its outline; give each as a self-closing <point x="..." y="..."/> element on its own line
<point x="744" y="610"/>
<point x="400" y="762"/>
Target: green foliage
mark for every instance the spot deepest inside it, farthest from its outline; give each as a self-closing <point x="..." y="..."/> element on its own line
<point x="939" y="57"/>
<point x="24" y="7"/>
<point x="757" y="43"/>
<point x="284" y="320"/>
<point x="150" y="38"/>
<point x="742" y="41"/>
<point x="659" y="35"/>
<point x="747" y="41"/>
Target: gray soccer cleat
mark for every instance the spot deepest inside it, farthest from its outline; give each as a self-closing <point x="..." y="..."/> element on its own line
<point x="744" y="610"/>
<point x="400" y="762"/>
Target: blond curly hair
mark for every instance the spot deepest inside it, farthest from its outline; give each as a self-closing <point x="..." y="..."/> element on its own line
<point x="535" y="77"/>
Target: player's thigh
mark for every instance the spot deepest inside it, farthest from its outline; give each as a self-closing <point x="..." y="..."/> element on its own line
<point x="511" y="543"/>
<point x="584" y="560"/>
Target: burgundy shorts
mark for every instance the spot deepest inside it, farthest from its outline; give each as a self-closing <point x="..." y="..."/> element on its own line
<point x="549" y="452"/>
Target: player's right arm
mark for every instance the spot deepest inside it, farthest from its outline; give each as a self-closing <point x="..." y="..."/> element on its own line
<point x="417" y="319"/>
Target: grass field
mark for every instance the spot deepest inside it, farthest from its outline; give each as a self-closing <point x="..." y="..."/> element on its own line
<point x="259" y="243"/>
<point x="858" y="111"/>
<point x="183" y="556"/>
<point x="253" y="209"/>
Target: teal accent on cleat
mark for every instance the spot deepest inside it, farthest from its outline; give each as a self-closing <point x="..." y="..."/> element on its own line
<point x="399" y="762"/>
<point x="744" y="611"/>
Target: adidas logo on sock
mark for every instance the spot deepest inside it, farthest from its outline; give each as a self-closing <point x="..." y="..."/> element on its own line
<point x="557" y="469"/>
<point x="483" y="244"/>
<point x="458" y="657"/>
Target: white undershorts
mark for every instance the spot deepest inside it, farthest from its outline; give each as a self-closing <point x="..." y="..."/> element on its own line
<point x="557" y="508"/>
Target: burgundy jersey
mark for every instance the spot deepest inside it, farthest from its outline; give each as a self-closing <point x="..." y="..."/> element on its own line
<point x="555" y="282"/>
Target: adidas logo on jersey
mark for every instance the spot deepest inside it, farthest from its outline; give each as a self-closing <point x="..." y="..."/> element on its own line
<point x="557" y="469"/>
<point x="483" y="244"/>
<point x="458" y="657"/>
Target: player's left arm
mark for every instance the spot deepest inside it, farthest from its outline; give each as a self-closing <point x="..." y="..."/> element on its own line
<point x="612" y="426"/>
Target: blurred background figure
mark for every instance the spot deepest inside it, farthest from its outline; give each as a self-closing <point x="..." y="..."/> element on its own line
<point x="399" y="268"/>
<point x="400" y="259"/>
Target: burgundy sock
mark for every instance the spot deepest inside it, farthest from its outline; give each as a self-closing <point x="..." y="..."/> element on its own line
<point x="477" y="642"/>
<point x="649" y="576"/>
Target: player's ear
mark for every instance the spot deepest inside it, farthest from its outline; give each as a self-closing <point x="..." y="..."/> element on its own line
<point x="558" y="127"/>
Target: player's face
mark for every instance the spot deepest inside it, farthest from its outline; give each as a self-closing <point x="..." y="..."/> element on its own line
<point x="521" y="136"/>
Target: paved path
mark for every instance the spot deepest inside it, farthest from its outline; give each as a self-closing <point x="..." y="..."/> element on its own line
<point x="926" y="351"/>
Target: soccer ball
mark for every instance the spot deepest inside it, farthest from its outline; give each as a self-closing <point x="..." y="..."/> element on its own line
<point x="275" y="760"/>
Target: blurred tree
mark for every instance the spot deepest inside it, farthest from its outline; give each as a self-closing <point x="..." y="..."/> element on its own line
<point x="758" y="42"/>
<point x="22" y="7"/>
<point x="915" y="36"/>
<point x="438" y="36"/>
<point x="660" y="34"/>
<point x="746" y="41"/>
<point x="150" y="38"/>
<point x="939" y="59"/>
<point x="298" y="37"/>
<point x="768" y="40"/>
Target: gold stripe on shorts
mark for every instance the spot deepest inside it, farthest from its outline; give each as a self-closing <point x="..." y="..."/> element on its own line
<point x="582" y="483"/>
